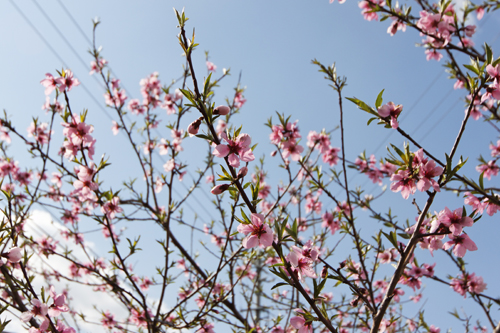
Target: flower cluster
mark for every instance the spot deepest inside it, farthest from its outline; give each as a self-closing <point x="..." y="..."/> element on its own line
<point x="368" y="167"/>
<point x="468" y="283"/>
<point x="419" y="175"/>
<point x="77" y="138"/>
<point x="63" y="83"/>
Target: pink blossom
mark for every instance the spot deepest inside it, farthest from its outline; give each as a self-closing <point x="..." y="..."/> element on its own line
<point x="313" y="204"/>
<point x="4" y="134"/>
<point x="403" y="182"/>
<point x="111" y="207"/>
<point x="300" y="324"/>
<point x="115" y="98"/>
<point x="96" y="67"/>
<point x="491" y="207"/>
<point x="257" y="233"/>
<point x="427" y="171"/>
<point x="475" y="284"/>
<point x="388" y="256"/>
<point x="66" y="82"/>
<point x="330" y="156"/>
<point x="319" y="141"/>
<point x="396" y="25"/>
<point x="59" y="303"/>
<point x="416" y="298"/>
<point x="301" y="264"/>
<point x="489" y="169"/>
<point x="245" y="271"/>
<point x="145" y="283"/>
<point x="459" y="284"/>
<point x="46" y="245"/>
<point x="206" y="328"/>
<point x="169" y="104"/>
<point x="330" y="222"/>
<point x="50" y="83"/>
<point x="493" y="72"/>
<point x="434" y="329"/>
<point x="479" y="12"/>
<point x="108" y="320"/>
<point x="40" y="132"/>
<point x="85" y="186"/>
<point x="151" y="90"/>
<point x="473" y="201"/>
<point x="292" y="149"/>
<point x="62" y="328"/>
<point x="433" y="54"/>
<point x="495" y="149"/>
<point x="278" y="329"/>
<point x="459" y="84"/>
<point x="462" y="244"/>
<point x="39" y="311"/>
<point x="221" y="127"/>
<point x="470" y="30"/>
<point x="211" y="67"/>
<point x="115" y="128"/>
<point x="392" y="110"/>
<point x="135" y="107"/>
<point x="139" y="318"/>
<point x="367" y="7"/>
<point x="452" y="220"/>
<point x="466" y="43"/>
<point x="236" y="150"/>
<point x="239" y="100"/>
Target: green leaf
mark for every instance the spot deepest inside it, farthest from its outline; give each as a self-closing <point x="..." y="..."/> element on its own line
<point x="489" y="54"/>
<point x="279" y="285"/>
<point x="379" y="100"/>
<point x="370" y="120"/>
<point x="363" y="106"/>
<point x="392" y="238"/>
<point x="473" y="69"/>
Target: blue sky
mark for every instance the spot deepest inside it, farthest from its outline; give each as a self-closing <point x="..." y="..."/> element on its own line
<point x="272" y="44"/>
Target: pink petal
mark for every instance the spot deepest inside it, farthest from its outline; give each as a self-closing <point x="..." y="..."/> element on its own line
<point x="221" y="150"/>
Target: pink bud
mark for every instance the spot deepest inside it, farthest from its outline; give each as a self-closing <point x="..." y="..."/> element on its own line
<point x="220" y="188"/>
<point x="14" y="255"/>
<point x="273" y="153"/>
<point x="194" y="127"/>
<point x="324" y="272"/>
<point x="242" y="173"/>
<point x="222" y="110"/>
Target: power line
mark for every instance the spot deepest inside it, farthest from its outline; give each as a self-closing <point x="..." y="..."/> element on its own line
<point x="123" y="86"/>
<point x="28" y="21"/>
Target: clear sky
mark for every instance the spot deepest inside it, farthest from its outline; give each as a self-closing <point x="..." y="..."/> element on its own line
<point x="271" y="43"/>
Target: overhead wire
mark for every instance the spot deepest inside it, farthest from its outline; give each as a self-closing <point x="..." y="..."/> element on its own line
<point x="44" y="40"/>
<point x="436" y="123"/>
<point x="72" y="19"/>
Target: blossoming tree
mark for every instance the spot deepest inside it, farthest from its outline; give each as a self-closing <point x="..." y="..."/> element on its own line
<point x="273" y="261"/>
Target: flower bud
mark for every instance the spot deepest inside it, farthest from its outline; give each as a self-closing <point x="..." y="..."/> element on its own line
<point x="324" y="272"/>
<point x="194" y="127"/>
<point x="242" y="173"/>
<point x="273" y="153"/>
<point x="220" y="188"/>
<point x="222" y="110"/>
<point x="14" y="255"/>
